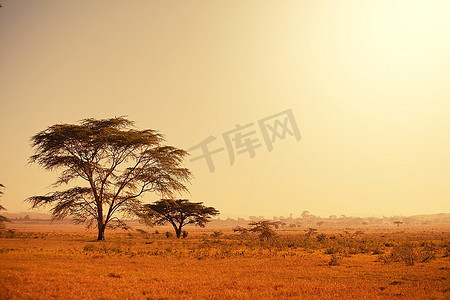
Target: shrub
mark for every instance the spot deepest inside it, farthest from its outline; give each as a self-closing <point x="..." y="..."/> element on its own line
<point x="405" y="252"/>
<point x="321" y="237"/>
<point x="89" y="248"/>
<point x="447" y="250"/>
<point x="333" y="250"/>
<point x="217" y="234"/>
<point x="310" y="232"/>
<point x="8" y="233"/>
<point x="335" y="260"/>
<point x="428" y="252"/>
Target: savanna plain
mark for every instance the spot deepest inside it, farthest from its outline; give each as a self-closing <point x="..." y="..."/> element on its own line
<point x="40" y="261"/>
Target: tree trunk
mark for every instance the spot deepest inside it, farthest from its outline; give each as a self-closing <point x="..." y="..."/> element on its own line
<point x="100" y="224"/>
<point x="101" y="232"/>
<point x="178" y="232"/>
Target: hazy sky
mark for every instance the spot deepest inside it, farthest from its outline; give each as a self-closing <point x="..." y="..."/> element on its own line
<point x="367" y="83"/>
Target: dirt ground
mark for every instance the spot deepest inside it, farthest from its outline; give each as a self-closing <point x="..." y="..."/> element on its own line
<point x="67" y="263"/>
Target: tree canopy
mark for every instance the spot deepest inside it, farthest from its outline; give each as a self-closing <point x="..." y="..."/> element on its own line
<point x="117" y="164"/>
<point x="179" y="213"/>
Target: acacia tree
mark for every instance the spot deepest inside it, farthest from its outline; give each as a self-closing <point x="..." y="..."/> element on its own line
<point x="116" y="163"/>
<point x="2" y="218"/>
<point x="178" y="213"/>
<point x="262" y="228"/>
<point x="398" y="223"/>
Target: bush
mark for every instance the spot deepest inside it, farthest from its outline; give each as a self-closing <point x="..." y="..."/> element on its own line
<point x="447" y="250"/>
<point x="8" y="233"/>
<point x="217" y="234"/>
<point x="428" y="252"/>
<point x="405" y="252"/>
<point x="89" y="248"/>
<point x="333" y="250"/>
<point x="335" y="260"/>
<point x="321" y="237"/>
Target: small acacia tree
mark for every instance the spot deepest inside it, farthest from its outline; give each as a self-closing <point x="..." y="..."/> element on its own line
<point x="264" y="229"/>
<point x="178" y="213"/>
<point x="398" y="223"/>
<point x="116" y="162"/>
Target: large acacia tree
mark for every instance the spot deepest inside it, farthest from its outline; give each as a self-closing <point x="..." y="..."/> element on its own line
<point x="178" y="213"/>
<point x="117" y="164"/>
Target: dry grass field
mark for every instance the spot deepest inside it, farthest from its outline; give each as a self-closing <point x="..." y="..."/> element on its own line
<point x="332" y="264"/>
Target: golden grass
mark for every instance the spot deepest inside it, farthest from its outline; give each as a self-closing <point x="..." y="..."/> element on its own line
<point x="147" y="266"/>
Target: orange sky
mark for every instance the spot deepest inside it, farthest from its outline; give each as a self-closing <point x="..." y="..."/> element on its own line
<point x="367" y="83"/>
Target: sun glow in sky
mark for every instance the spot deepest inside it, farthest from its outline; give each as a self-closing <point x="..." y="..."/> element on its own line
<point x="367" y="82"/>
